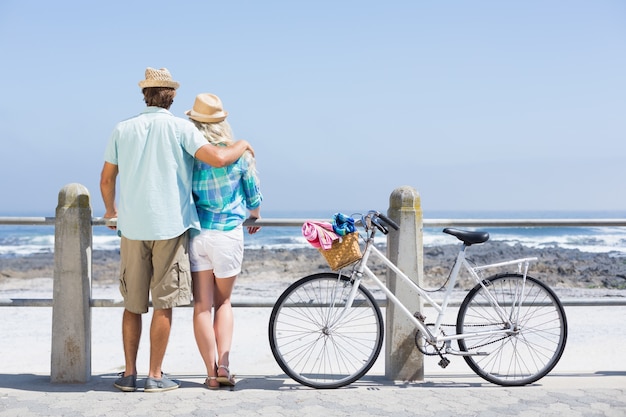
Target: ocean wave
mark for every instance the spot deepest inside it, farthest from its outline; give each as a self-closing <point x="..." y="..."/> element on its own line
<point x="25" y="240"/>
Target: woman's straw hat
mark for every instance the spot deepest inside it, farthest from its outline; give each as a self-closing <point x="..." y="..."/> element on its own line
<point x="207" y="109"/>
<point x="158" y="78"/>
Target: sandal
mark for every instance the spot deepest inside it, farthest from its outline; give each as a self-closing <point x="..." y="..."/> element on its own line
<point x="226" y="380"/>
<point x="208" y="380"/>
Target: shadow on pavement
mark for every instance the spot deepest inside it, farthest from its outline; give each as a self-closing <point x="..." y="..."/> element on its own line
<point x="104" y="382"/>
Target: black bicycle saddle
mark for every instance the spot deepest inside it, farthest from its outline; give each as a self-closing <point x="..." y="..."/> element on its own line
<point x="468" y="237"/>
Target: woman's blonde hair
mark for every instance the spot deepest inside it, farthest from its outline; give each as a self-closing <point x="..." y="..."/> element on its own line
<point x="221" y="134"/>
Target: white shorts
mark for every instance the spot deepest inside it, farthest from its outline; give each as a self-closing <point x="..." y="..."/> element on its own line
<point x="217" y="250"/>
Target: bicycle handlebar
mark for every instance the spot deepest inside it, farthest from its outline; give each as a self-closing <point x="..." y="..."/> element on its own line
<point x="380" y="221"/>
<point x="389" y="222"/>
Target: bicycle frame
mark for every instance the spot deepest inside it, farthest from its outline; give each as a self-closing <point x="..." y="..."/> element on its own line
<point x="326" y="330"/>
<point x="361" y="269"/>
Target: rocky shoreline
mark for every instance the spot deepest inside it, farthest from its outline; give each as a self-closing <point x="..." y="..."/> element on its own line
<point x="560" y="268"/>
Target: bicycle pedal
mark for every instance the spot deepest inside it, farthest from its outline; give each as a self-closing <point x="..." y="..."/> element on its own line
<point x="418" y="315"/>
<point x="444" y="362"/>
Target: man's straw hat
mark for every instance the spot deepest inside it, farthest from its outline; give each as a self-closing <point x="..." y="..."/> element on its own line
<point x="158" y="78"/>
<point x="207" y="109"/>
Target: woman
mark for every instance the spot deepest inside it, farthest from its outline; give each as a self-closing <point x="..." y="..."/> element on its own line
<point x="222" y="197"/>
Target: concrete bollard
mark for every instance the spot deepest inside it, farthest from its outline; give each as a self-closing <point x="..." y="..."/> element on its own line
<point x="71" y="313"/>
<point x="405" y="248"/>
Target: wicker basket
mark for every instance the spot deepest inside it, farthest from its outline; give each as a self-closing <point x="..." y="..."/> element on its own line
<point x="343" y="252"/>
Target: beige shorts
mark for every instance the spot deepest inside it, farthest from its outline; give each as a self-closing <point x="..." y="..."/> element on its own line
<point x="159" y="268"/>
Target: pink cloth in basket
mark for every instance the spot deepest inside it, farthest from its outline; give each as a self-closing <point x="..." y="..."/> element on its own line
<point x="319" y="234"/>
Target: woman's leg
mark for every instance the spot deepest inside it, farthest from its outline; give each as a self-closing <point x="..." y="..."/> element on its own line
<point x="223" y="322"/>
<point x="203" y="293"/>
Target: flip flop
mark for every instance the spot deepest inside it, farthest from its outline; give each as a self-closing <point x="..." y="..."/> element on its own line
<point x="227" y="380"/>
<point x="211" y="378"/>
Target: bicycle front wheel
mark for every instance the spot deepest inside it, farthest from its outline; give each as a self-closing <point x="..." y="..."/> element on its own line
<point x="318" y="339"/>
<point x="524" y="353"/>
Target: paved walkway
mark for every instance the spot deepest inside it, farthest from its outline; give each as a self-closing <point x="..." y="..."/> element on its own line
<point x="255" y="395"/>
<point x="590" y="380"/>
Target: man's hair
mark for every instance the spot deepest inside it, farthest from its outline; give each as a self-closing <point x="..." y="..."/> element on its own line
<point x="159" y="96"/>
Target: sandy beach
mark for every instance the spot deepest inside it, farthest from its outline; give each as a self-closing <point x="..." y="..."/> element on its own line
<point x="266" y="272"/>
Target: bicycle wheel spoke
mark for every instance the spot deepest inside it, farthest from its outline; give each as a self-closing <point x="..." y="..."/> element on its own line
<point x="525" y="347"/>
<point x="318" y="340"/>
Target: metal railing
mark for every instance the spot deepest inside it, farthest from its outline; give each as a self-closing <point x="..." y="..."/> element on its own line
<point x="268" y="222"/>
<point x="297" y="222"/>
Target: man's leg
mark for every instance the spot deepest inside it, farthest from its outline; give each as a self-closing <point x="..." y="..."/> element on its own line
<point x="170" y="287"/>
<point x="131" y="334"/>
<point x="135" y="275"/>
<point x="159" y="337"/>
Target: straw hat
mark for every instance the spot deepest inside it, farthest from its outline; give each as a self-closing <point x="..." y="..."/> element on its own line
<point x="207" y="109"/>
<point x="158" y="78"/>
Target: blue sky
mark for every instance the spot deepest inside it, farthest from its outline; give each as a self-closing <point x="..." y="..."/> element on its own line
<point x="478" y="105"/>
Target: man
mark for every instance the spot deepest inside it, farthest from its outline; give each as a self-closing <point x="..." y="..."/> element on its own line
<point x="153" y="154"/>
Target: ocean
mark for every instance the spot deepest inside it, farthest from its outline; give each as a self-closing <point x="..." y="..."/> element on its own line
<point x="18" y="241"/>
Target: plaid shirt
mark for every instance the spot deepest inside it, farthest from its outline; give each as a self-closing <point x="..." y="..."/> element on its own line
<point x="222" y="195"/>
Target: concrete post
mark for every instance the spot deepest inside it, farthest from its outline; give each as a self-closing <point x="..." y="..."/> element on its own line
<point x="405" y="248"/>
<point x="71" y="313"/>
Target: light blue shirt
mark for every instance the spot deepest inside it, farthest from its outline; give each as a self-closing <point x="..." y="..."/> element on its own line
<point x="154" y="155"/>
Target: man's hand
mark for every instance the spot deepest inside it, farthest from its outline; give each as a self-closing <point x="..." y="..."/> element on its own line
<point x="111" y="215"/>
<point x="221" y="156"/>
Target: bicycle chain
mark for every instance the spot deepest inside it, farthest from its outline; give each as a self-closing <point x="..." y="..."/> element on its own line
<point x="480" y="325"/>
<point x="438" y="350"/>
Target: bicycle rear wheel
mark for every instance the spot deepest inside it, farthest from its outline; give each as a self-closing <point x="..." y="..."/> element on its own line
<point x="532" y="347"/>
<point x="319" y="341"/>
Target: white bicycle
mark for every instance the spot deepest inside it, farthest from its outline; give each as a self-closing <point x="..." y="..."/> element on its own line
<point x="326" y="330"/>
